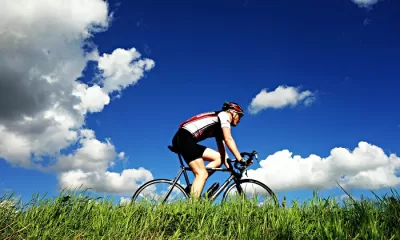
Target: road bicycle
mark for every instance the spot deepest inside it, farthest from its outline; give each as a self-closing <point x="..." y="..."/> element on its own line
<point x="175" y="188"/>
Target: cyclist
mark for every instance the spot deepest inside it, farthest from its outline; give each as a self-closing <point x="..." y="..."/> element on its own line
<point x="200" y="127"/>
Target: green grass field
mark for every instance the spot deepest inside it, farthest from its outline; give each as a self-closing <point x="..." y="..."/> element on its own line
<point x="78" y="217"/>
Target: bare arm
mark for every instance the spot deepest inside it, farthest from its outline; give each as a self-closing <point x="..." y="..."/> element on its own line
<point x="222" y="151"/>
<point x="231" y="143"/>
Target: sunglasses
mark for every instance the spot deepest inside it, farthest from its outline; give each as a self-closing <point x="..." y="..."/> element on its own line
<point x="239" y="114"/>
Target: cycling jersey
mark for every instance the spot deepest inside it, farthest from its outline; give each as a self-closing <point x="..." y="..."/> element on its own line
<point x="206" y="125"/>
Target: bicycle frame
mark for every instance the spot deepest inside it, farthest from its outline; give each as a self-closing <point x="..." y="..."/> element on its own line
<point x="236" y="172"/>
<point x="216" y="193"/>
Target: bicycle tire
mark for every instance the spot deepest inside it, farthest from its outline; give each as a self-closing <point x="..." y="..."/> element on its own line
<point x="155" y="181"/>
<point x="256" y="182"/>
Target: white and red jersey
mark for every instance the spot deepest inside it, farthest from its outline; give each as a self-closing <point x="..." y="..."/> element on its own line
<point x="206" y="125"/>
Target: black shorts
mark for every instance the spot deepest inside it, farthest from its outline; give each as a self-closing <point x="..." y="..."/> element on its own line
<point x="187" y="146"/>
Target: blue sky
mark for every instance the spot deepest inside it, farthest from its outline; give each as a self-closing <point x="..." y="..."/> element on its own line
<point x="200" y="54"/>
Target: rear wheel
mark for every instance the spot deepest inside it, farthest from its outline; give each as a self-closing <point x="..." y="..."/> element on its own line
<point x="155" y="191"/>
<point x="251" y="189"/>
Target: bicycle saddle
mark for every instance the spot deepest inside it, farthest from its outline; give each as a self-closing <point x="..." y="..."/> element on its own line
<point x="172" y="149"/>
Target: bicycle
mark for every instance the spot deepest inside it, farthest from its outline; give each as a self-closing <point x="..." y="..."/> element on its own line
<point x="214" y="191"/>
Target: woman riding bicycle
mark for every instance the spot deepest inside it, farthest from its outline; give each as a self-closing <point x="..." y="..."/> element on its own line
<point x="215" y="124"/>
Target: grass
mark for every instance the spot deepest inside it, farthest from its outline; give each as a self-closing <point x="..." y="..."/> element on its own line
<point x="77" y="216"/>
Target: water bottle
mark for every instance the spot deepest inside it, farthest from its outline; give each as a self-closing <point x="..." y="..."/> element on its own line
<point x="212" y="189"/>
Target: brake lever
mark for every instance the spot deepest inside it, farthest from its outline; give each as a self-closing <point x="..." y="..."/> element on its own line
<point x="256" y="156"/>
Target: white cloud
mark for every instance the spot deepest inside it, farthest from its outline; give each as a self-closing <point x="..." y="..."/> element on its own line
<point x="108" y="182"/>
<point x="365" y="3"/>
<point x="93" y="99"/>
<point x="120" y="71"/>
<point x="281" y="97"/>
<point x="121" y="156"/>
<point x="40" y="62"/>
<point x="14" y="148"/>
<point x="366" y="21"/>
<point x="43" y="105"/>
<point x="366" y="167"/>
<point x="93" y="155"/>
<point x="125" y="201"/>
<point x="344" y="197"/>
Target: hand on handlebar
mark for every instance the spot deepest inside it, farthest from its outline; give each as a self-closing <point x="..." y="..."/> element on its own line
<point x="240" y="164"/>
<point x="246" y="160"/>
<point x="240" y="161"/>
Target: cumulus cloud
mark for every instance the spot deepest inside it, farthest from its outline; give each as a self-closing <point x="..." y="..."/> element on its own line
<point x="107" y="182"/>
<point x="281" y="97"/>
<point x="43" y="103"/>
<point x="365" y="3"/>
<point x="93" y="99"/>
<point x="366" y="167"/>
<point x="118" y="70"/>
<point x="93" y="155"/>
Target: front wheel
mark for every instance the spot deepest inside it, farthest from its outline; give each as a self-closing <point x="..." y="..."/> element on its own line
<point x="251" y="189"/>
<point x="156" y="191"/>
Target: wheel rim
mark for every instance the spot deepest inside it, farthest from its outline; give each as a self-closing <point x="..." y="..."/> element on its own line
<point x="251" y="191"/>
<point x="157" y="191"/>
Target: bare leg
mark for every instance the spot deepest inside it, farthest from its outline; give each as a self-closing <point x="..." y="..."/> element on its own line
<point x="200" y="172"/>
<point x="200" y="177"/>
<point x="214" y="158"/>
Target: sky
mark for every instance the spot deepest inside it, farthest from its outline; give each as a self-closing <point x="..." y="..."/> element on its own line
<point x="92" y="92"/>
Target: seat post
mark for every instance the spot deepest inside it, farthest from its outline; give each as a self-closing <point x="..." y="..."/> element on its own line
<point x="183" y="167"/>
<point x="172" y="149"/>
<point x="180" y="160"/>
